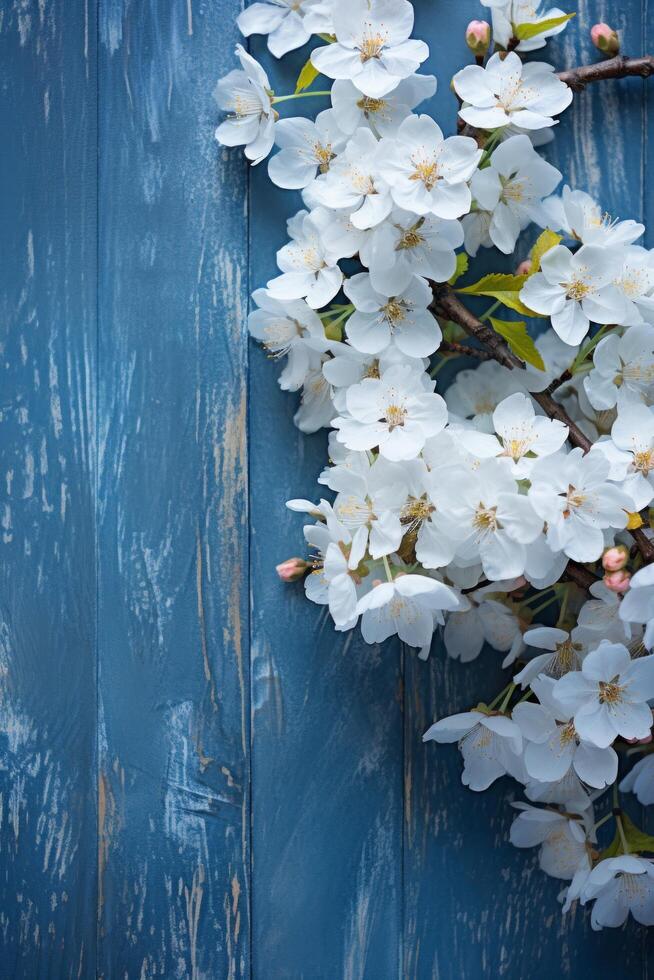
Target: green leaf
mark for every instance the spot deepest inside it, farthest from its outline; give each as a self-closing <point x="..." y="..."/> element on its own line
<point x="307" y="77"/>
<point x="544" y="243"/>
<point x="524" y="32"/>
<point x="462" y="263"/>
<point x="503" y="287"/>
<point x="637" y="840"/>
<point x="522" y="345"/>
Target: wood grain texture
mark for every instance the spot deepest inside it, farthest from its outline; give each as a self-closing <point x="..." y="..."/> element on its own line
<point x="326" y="708"/>
<point x="47" y="450"/>
<point x="173" y="776"/>
<point x="198" y="777"/>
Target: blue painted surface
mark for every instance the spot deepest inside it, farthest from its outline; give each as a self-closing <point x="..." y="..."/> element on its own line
<point x="200" y="778"/>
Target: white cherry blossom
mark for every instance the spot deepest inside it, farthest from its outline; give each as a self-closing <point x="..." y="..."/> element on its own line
<point x="288" y="23"/>
<point x="483" y="619"/>
<point x="630" y="451"/>
<point x="292" y="330"/>
<point x="572" y="494"/>
<point x="508" y="92"/>
<point x="623" y="369"/>
<point x="521" y="436"/>
<point x="408" y="607"/>
<point x="565" y="651"/>
<point x="553" y="744"/>
<point x="306" y="147"/>
<point x="405" y="246"/>
<point x="373" y="47"/>
<point x="496" y="521"/>
<point x="575" y="288"/>
<point x="353" y="182"/>
<point x="476" y="393"/>
<point x="511" y="189"/>
<point x="309" y="270"/>
<point x="636" y="283"/>
<point x="396" y="412"/>
<point x="618" y="886"/>
<point x="490" y="745"/>
<point x="507" y="14"/>
<point x="246" y="95"/>
<point x="380" y="320"/>
<point x="382" y="115"/>
<point x="427" y="173"/>
<point x="608" y="696"/>
<point x="580" y="217"/>
<point x="638" y="604"/>
<point x="562" y="839"/>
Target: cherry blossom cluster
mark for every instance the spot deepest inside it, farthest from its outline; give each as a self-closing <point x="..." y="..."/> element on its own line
<point x="510" y="507"/>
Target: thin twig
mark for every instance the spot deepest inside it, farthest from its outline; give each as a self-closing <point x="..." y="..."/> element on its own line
<point x="618" y="67"/>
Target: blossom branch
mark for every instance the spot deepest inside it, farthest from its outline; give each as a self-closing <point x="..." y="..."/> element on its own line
<point x="619" y="67"/>
<point x="451" y="306"/>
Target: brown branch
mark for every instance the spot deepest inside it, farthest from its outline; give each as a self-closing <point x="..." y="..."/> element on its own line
<point x="645" y="546"/>
<point x="464" y="350"/>
<point x="556" y="411"/>
<point x="449" y="305"/>
<point x="619" y="67"/>
<point x="576" y="573"/>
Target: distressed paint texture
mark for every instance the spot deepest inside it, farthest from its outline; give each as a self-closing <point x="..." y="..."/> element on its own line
<point x="198" y="777"/>
<point x="47" y="446"/>
<point x="172" y="501"/>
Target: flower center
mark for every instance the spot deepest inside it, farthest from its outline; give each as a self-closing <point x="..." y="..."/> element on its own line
<point x="416" y="510"/>
<point x="610" y="692"/>
<point x="577" y="290"/>
<point x="427" y="172"/>
<point x="395" y="416"/>
<point x="566" y="655"/>
<point x="323" y="155"/>
<point x="372" y="371"/>
<point x="516" y="448"/>
<point x="367" y="105"/>
<point x="411" y="238"/>
<point x="485" y="519"/>
<point x="644" y="461"/>
<point x="394" y="312"/>
<point x="514" y="190"/>
<point x="574" y="499"/>
<point x="567" y="733"/>
<point x="371" y="46"/>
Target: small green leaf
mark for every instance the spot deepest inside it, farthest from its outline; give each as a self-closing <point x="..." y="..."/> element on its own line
<point x="307" y="77"/>
<point x="637" y="840"/>
<point x="333" y="330"/>
<point x="522" y="345"/>
<point x="462" y="263"/>
<point x="329" y="38"/>
<point x="525" y="32"/>
<point x="544" y="243"/>
<point x="503" y="287"/>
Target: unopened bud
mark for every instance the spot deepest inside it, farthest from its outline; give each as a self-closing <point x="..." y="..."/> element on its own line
<point x="605" y="39"/>
<point x="293" y="569"/>
<point x="524" y="268"/>
<point x="615" y="558"/>
<point x="478" y="37"/>
<point x="617" y="581"/>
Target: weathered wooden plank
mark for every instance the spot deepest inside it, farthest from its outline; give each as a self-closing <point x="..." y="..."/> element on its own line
<point x="47" y="552"/>
<point x="173" y="619"/>
<point x="326" y="708"/>
<point x="474" y="906"/>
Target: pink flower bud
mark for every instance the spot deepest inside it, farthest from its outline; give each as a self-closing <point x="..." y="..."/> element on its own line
<point x="617" y="581"/>
<point x="615" y="558"/>
<point x="478" y="36"/>
<point x="605" y="39"/>
<point x="524" y="268"/>
<point x="293" y="569"/>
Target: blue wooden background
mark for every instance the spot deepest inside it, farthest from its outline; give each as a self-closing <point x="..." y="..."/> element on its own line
<point x="198" y="777"/>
